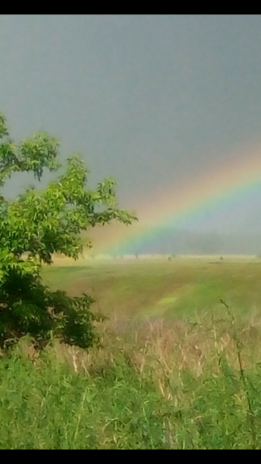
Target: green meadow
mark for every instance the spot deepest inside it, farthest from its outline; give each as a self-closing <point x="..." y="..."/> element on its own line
<point x="178" y="365"/>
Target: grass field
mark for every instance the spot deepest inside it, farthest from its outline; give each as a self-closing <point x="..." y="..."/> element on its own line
<point x="131" y="288"/>
<point x="176" y="367"/>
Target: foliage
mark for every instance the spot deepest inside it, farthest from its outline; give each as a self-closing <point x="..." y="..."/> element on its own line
<point x="39" y="223"/>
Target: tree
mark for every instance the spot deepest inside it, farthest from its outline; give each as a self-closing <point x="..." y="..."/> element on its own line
<point x="39" y="223"/>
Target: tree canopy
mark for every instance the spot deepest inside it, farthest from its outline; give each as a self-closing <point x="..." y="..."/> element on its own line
<point x="39" y="223"/>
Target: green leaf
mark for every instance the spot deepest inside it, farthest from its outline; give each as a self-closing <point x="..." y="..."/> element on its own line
<point x="40" y="223"/>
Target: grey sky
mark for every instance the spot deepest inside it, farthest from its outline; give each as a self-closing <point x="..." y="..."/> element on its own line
<point x="149" y="100"/>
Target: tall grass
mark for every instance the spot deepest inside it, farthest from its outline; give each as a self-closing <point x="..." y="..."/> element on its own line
<point x="153" y="385"/>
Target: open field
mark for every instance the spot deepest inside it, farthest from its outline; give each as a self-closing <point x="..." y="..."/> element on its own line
<point x="146" y="287"/>
<point x="177" y="369"/>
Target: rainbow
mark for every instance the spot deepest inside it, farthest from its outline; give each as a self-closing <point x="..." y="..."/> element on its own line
<point x="239" y="178"/>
